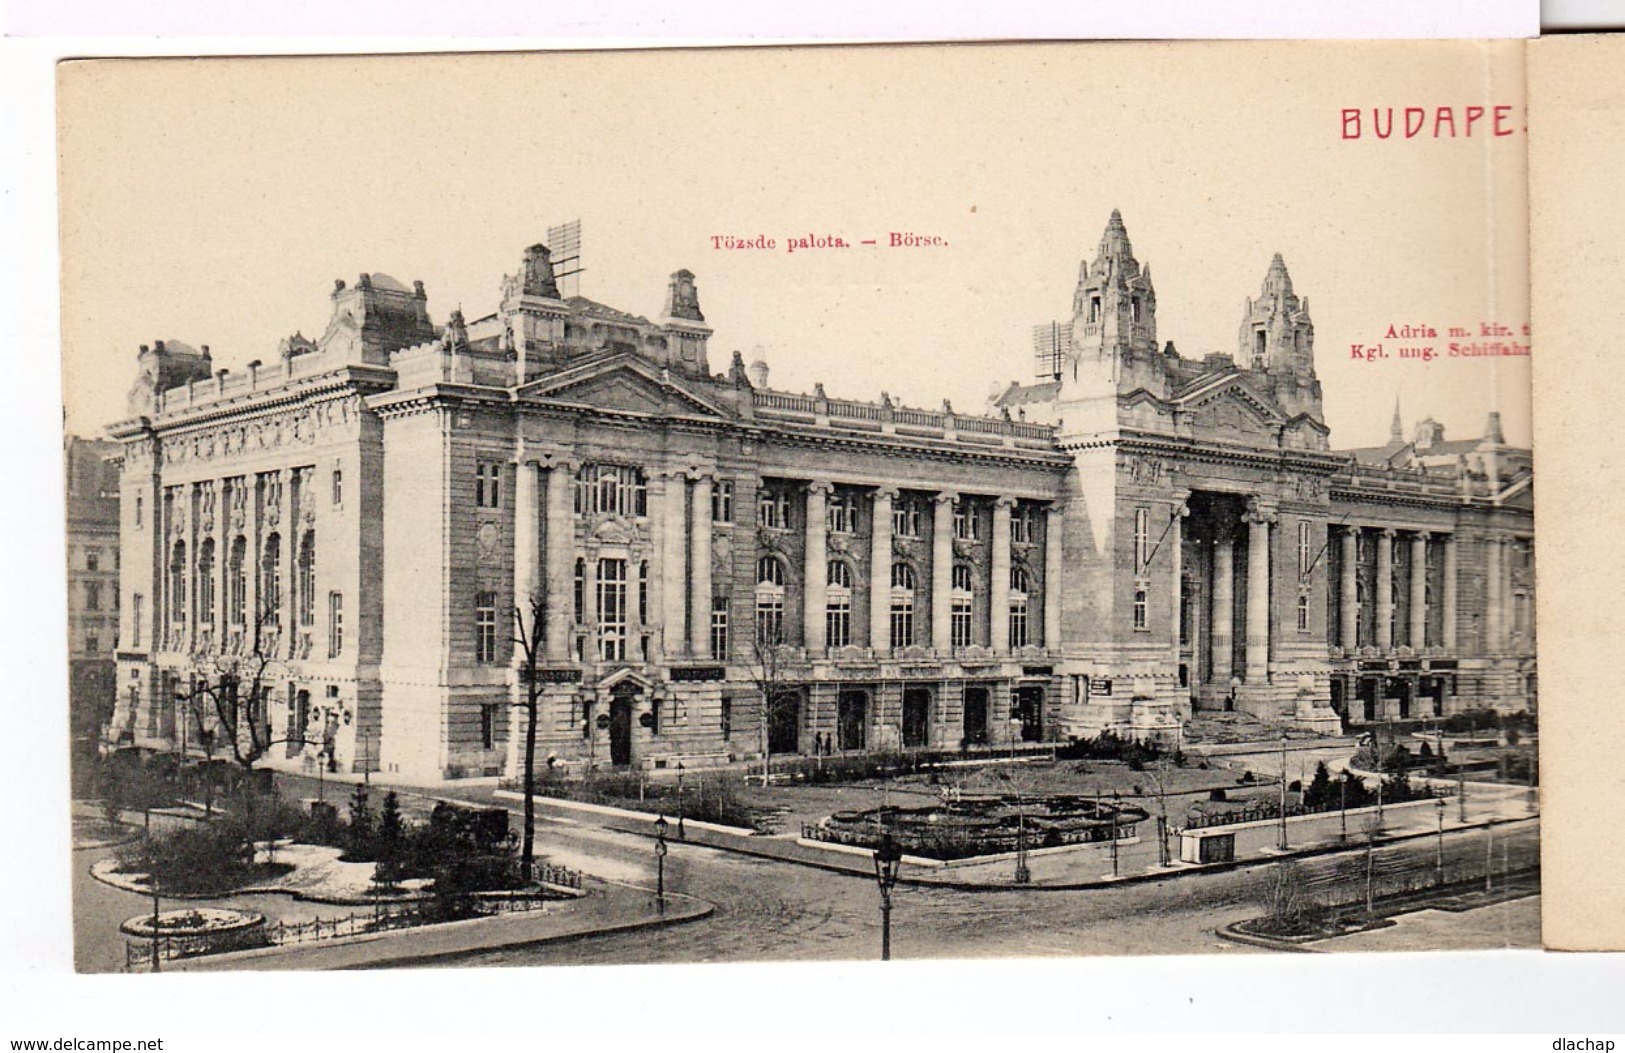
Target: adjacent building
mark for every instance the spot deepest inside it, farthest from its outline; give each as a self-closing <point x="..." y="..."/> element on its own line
<point x="92" y="492"/>
<point x="1134" y="536"/>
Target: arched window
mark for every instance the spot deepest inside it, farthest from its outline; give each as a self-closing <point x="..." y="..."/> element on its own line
<point x="271" y="580"/>
<point x="177" y="583"/>
<point x="205" y="583"/>
<point x="769" y="601"/>
<point x="902" y="605"/>
<point x="838" y="605"/>
<point x="307" y="579"/>
<point x="1020" y="633"/>
<point x="237" y="601"/>
<point x="770" y="571"/>
<point x="960" y="615"/>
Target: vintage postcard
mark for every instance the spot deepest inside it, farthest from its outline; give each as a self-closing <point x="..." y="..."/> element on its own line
<point x="806" y="504"/>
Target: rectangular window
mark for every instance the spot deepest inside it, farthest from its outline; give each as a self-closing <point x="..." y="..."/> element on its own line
<point x="842" y="513"/>
<point x="93" y="560"/>
<point x="772" y="510"/>
<point x="722" y="501"/>
<point x="93" y="641"/>
<point x="488" y="725"/>
<point x="770" y="620"/>
<point x="1142" y="539"/>
<point x="488" y="485"/>
<point x="581" y="592"/>
<point x="1305" y="554"/>
<point x="1021" y="525"/>
<point x="485" y="627"/>
<point x="727" y="716"/>
<point x="140" y="509"/>
<point x="335" y="624"/>
<point x="719" y="627"/>
<point x="93" y="595"/>
<point x="1141" y="615"/>
<point x="960" y="623"/>
<point x="1303" y="612"/>
<point x="137" y="603"/>
<point x="338" y="487"/>
<point x="905" y="517"/>
<point x="611" y="489"/>
<point x="612" y="610"/>
<point x="838" y="623"/>
<point x="1018" y="624"/>
<point x="964" y="521"/>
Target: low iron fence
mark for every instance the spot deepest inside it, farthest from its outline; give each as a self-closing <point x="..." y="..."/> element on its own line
<point x="383" y="917"/>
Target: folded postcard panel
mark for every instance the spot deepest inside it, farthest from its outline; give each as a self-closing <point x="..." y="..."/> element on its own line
<point x="1043" y="467"/>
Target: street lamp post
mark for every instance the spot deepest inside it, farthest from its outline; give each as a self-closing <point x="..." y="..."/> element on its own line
<point x="660" y="861"/>
<point x="682" y="835"/>
<point x="1281" y="841"/>
<point x="1117" y="810"/>
<point x="1343" y="808"/>
<point x="888" y="857"/>
<point x="1438" y="804"/>
<point x="1461" y="796"/>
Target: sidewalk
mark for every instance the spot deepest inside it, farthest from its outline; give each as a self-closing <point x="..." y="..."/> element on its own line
<point x="607" y="908"/>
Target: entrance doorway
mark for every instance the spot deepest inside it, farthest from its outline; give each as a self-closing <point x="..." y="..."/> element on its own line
<point x="916" y="716"/>
<point x="976" y="716"/>
<point x="1368" y="698"/>
<point x="620" y="726"/>
<point x="852" y="718"/>
<point x="784" y="723"/>
<point x="1030" y="711"/>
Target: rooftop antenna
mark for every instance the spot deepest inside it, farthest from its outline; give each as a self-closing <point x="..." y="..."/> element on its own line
<point x="1052" y="342"/>
<point x="564" y="241"/>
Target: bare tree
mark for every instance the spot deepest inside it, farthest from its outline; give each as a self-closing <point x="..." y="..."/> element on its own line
<point x="527" y="636"/>
<point x="770" y="660"/>
<point x="232" y="687"/>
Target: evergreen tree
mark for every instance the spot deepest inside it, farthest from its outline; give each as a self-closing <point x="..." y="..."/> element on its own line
<point x="361" y="833"/>
<point x="1320" y="795"/>
<point x="389" y="844"/>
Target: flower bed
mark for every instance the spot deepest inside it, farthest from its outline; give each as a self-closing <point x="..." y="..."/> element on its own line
<point x="193" y="921"/>
<point x="981" y="826"/>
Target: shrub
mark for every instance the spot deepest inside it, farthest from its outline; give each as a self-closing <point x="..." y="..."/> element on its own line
<point x="210" y="858"/>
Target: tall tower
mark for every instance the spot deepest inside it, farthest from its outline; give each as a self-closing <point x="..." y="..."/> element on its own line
<point x="1277" y="339"/>
<point x="1114" y="336"/>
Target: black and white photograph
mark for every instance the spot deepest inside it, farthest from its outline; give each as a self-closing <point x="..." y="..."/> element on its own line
<point x="701" y="505"/>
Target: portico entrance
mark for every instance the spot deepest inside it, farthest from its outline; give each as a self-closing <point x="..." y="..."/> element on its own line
<point x="916" y="716"/>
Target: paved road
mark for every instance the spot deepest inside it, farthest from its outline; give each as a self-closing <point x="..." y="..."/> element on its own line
<point x="768" y="910"/>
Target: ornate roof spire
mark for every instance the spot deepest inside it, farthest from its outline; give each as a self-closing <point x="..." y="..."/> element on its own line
<point x="1396" y="430"/>
<point x="1278" y="282"/>
<point x="1114" y="243"/>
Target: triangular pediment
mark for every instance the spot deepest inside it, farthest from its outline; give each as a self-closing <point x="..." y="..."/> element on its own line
<point x="1229" y="404"/>
<point x="622" y="384"/>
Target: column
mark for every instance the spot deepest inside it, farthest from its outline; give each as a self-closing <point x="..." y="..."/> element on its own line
<point x="589" y="597"/>
<point x="1259" y="518"/>
<point x="1448" y="638"/>
<point x="1349" y="593"/>
<point x="699" y="598"/>
<point x="998" y="602"/>
<point x="1419" y="593"/>
<point x="1385" y="590"/>
<point x="560" y="554"/>
<point x="1494" y="621"/>
<point x="528" y="596"/>
<point x="942" y="570"/>
<point x="815" y="580"/>
<point x="290" y="566"/>
<point x="880" y="561"/>
<point x="1224" y="605"/>
<point x="1176" y="539"/>
<point x="674" y="563"/>
<point x="1054" y="561"/>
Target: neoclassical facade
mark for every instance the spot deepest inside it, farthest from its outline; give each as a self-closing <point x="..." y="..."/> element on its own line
<point x="1135" y="536"/>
